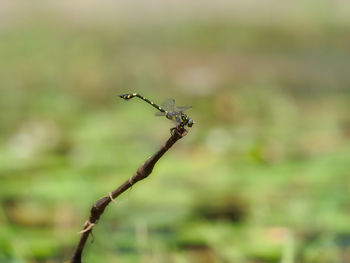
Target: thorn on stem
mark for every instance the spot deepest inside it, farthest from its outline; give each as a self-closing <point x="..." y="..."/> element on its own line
<point x="111" y="197"/>
<point x="88" y="226"/>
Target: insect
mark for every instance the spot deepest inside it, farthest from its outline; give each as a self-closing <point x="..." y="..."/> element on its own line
<point x="167" y="109"/>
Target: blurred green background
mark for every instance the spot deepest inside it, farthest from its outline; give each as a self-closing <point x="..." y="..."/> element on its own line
<point x="263" y="175"/>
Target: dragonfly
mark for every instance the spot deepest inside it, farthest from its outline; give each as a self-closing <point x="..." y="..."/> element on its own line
<point x="167" y="109"/>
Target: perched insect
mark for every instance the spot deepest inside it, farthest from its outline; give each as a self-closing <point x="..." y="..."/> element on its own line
<point x="167" y="109"/>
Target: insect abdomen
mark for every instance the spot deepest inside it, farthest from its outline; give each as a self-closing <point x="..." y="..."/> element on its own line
<point x="132" y="95"/>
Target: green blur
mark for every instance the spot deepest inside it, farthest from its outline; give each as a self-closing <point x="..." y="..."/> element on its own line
<point x="262" y="176"/>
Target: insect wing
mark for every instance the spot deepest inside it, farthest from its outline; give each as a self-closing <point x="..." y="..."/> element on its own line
<point x="159" y="113"/>
<point x="183" y="108"/>
<point x="169" y="105"/>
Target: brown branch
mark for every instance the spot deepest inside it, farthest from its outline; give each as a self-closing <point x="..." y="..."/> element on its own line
<point x="142" y="172"/>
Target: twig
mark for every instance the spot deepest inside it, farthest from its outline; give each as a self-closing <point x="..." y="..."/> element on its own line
<point x="99" y="206"/>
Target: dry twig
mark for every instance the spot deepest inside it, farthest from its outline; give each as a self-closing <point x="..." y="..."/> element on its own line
<point x="142" y="172"/>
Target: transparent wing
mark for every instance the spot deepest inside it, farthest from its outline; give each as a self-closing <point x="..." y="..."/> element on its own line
<point x="169" y="105"/>
<point x="159" y="113"/>
<point x="183" y="108"/>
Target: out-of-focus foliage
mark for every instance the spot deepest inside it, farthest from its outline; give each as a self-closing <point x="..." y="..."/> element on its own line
<point x="263" y="176"/>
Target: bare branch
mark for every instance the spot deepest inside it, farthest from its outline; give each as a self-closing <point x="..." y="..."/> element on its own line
<point x="142" y="172"/>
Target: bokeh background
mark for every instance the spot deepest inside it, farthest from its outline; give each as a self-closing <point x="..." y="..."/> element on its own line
<point x="263" y="176"/>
